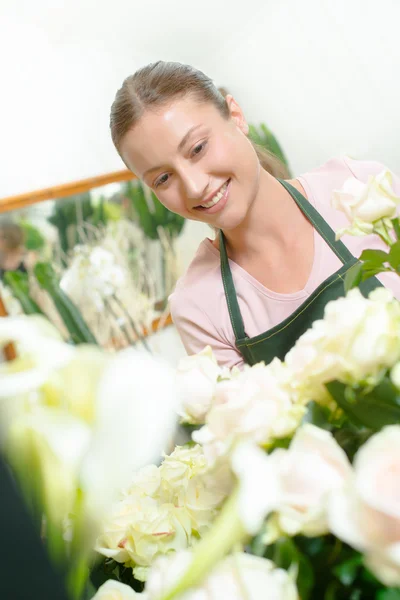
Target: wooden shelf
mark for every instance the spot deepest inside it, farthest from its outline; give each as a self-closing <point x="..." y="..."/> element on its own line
<point x="61" y="191"/>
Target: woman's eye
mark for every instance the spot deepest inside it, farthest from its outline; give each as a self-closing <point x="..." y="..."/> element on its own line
<point x="199" y="148"/>
<point x="161" y="181"/>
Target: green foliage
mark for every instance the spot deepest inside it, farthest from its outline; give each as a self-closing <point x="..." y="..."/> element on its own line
<point x="151" y="214"/>
<point x="327" y="569"/>
<point x="265" y="138"/>
<point x="388" y="594"/>
<point x="110" y="569"/>
<point x="318" y="415"/>
<point x="18" y="282"/>
<point x="33" y="238"/>
<point x="74" y="210"/>
<point x="373" y="408"/>
<point x="69" y="313"/>
<point x="373" y="262"/>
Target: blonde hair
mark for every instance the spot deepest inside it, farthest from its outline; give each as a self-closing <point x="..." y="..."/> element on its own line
<point x="156" y="85"/>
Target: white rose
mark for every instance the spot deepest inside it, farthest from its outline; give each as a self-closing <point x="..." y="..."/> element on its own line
<point x="112" y="541"/>
<point x="308" y="471"/>
<point x="238" y="577"/>
<point x="197" y="378"/>
<point x="140" y="528"/>
<point x="188" y="481"/>
<point x="366" y="512"/>
<point x="356" y="338"/>
<point x="365" y="204"/>
<point x="254" y="406"/>
<point x="146" y="481"/>
<point x="115" y="590"/>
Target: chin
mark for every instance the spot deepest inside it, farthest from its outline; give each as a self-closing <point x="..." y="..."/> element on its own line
<point x="232" y="219"/>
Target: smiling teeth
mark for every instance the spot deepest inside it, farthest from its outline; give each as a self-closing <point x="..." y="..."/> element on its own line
<point x="217" y="197"/>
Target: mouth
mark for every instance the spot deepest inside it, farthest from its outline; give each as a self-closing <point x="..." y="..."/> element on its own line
<point x="218" y="201"/>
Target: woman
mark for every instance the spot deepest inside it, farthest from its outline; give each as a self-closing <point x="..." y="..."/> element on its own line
<point x="274" y="262"/>
<point x="12" y="249"/>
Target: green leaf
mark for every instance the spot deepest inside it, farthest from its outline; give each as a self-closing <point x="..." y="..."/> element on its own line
<point x="374" y="257"/>
<point x="394" y="255"/>
<point x="285" y="554"/>
<point x="34" y="240"/>
<point x="353" y="276"/>
<point x="70" y="314"/>
<point x="368" y="409"/>
<point x="385" y="391"/>
<point x="388" y="594"/>
<point x="318" y="415"/>
<point x="396" y="227"/>
<point x="368" y="271"/>
<point x="19" y="285"/>
<point x="347" y="571"/>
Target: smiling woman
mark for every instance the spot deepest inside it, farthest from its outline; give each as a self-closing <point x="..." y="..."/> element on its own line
<point x="254" y="289"/>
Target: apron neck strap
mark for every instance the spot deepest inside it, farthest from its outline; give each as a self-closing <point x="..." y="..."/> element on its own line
<point x="325" y="231"/>
<point x="230" y="292"/>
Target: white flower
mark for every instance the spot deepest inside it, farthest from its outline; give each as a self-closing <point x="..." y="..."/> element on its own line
<point x="255" y="405"/>
<point x="293" y="483"/>
<point x="115" y="590"/>
<point x="366" y="512"/>
<point x="308" y="471"/>
<point x="238" y="577"/>
<point x="128" y="416"/>
<point x="259" y="491"/>
<point x="94" y="274"/>
<point x="188" y="481"/>
<point x="355" y="340"/>
<point x="136" y="402"/>
<point x="39" y="349"/>
<point x="145" y="481"/>
<point x="366" y="204"/>
<point x="197" y="378"/>
<point x="141" y="529"/>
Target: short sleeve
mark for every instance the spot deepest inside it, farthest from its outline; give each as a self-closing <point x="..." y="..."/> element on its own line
<point x="197" y="331"/>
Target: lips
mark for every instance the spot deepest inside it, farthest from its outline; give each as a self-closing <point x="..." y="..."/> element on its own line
<point x="217" y="200"/>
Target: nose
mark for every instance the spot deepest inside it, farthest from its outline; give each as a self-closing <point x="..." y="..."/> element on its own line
<point x="195" y="184"/>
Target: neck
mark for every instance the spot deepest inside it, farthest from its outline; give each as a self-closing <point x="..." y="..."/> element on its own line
<point x="265" y="221"/>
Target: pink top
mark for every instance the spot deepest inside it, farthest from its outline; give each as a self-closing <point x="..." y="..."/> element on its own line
<point x="198" y="304"/>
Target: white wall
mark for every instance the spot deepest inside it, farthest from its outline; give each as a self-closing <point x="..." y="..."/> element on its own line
<point x="322" y="74"/>
<point x="62" y="62"/>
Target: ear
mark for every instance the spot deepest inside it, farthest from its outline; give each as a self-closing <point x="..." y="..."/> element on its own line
<point x="237" y="114"/>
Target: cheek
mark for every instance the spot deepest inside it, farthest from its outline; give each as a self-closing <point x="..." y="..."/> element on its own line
<point x="172" y="200"/>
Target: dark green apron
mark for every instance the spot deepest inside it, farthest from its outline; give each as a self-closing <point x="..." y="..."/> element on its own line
<point x="280" y="339"/>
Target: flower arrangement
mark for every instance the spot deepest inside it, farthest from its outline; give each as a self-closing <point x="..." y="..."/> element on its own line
<point x="290" y="487"/>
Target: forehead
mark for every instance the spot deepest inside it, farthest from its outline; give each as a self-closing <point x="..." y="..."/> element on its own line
<point x="157" y="135"/>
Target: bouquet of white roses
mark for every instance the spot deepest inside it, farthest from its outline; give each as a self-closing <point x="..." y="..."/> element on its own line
<point x="312" y="443"/>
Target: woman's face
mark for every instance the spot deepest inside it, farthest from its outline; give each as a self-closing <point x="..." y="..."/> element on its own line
<point x="199" y="164"/>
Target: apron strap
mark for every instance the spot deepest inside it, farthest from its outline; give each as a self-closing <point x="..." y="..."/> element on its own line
<point x="230" y="292"/>
<point x="325" y="231"/>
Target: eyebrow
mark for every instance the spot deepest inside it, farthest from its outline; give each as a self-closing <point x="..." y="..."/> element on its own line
<point x="181" y="145"/>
